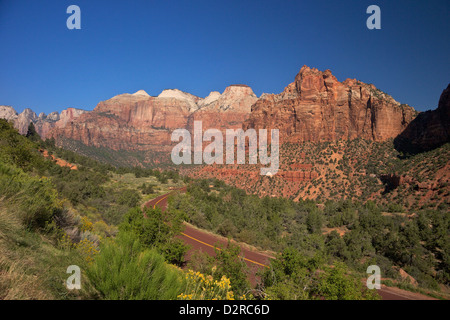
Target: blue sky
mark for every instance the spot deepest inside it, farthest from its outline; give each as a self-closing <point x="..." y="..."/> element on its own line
<point x="202" y="46"/>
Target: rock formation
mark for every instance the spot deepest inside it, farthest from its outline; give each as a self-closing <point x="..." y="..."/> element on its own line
<point x="42" y="123"/>
<point x="317" y="107"/>
<point x="297" y="176"/>
<point x="128" y="122"/>
<point x="429" y="129"/>
<point x="8" y="113"/>
<point x="141" y="122"/>
<point x="225" y="111"/>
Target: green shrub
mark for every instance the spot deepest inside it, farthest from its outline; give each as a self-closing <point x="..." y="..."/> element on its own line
<point x="334" y="283"/>
<point x="229" y="262"/>
<point x="125" y="270"/>
<point x="156" y="229"/>
<point x="129" y="197"/>
<point x="34" y="198"/>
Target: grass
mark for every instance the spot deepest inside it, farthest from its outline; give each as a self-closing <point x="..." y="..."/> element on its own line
<point x="411" y="288"/>
<point x="129" y="181"/>
<point x="32" y="266"/>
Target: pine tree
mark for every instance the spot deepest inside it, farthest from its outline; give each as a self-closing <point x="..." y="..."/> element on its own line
<point x="32" y="133"/>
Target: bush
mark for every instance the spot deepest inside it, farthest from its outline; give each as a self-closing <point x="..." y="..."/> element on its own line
<point x="336" y="284"/>
<point x="156" y="229"/>
<point x="35" y="198"/>
<point x="229" y="262"/>
<point x="201" y="287"/>
<point x="129" y="197"/>
<point x="125" y="270"/>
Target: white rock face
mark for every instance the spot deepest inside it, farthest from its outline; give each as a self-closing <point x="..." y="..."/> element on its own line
<point x="24" y="119"/>
<point x="8" y="113"/>
<point x="214" y="108"/>
<point x="43" y="123"/>
<point x="213" y="96"/>
<point x="190" y="99"/>
<point x="68" y="115"/>
<point x="54" y="116"/>
<point x="142" y="93"/>
<point x="237" y="98"/>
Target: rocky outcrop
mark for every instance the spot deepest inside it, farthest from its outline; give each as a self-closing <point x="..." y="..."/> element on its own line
<point x="23" y="120"/>
<point x="42" y="123"/>
<point x="60" y="162"/>
<point x="394" y="180"/>
<point x="190" y="99"/>
<point x="297" y="176"/>
<point x="224" y="111"/>
<point x="317" y="107"/>
<point x="429" y="129"/>
<point x="8" y="113"/>
<point x="141" y="122"/>
<point x="128" y="122"/>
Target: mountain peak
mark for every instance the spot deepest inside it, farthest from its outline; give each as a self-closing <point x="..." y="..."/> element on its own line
<point x="238" y="90"/>
<point x="181" y="95"/>
<point x="142" y="93"/>
<point x="213" y="96"/>
<point x="8" y="113"/>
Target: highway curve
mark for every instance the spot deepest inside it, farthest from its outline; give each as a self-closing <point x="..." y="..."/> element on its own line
<point x="206" y="242"/>
<point x="200" y="240"/>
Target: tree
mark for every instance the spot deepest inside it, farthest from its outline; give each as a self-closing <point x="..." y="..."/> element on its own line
<point x="336" y="246"/>
<point x="288" y="277"/>
<point x="156" y="229"/>
<point x="32" y="133"/>
<point x="229" y="262"/>
<point x="335" y="283"/>
<point x="129" y="197"/>
<point x="314" y="221"/>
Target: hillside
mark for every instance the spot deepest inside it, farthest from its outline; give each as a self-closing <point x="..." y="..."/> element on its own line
<point x="357" y="170"/>
<point x="410" y="247"/>
<point x="315" y="107"/>
<point x="362" y="180"/>
<point x="53" y="216"/>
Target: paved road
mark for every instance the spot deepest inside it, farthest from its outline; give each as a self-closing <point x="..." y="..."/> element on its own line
<point x="206" y="242"/>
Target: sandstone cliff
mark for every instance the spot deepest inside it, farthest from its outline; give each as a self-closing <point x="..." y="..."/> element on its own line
<point x="141" y="122"/>
<point x="42" y="123"/>
<point x="429" y="129"/>
<point x="128" y="122"/>
<point x="317" y="107"/>
<point x="224" y="111"/>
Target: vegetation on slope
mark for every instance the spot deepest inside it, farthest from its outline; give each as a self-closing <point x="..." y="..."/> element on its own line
<point x="358" y="170"/>
<point x="350" y="232"/>
<point x="52" y="217"/>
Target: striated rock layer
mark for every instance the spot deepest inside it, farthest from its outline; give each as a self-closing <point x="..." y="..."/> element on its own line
<point x="141" y="122"/>
<point x="226" y="111"/>
<point x="317" y="107"/>
<point x="127" y="122"/>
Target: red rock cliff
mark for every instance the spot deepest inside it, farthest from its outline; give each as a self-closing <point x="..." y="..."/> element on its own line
<point x="128" y="122"/>
<point x="141" y="122"/>
<point x="317" y="107"/>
